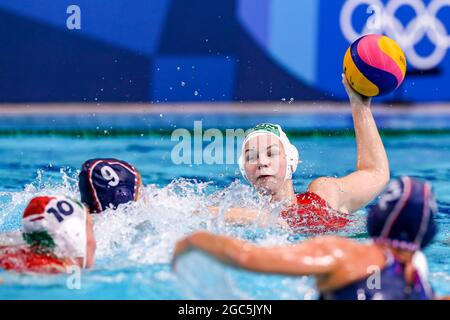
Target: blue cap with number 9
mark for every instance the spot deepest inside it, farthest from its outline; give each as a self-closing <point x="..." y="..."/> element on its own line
<point x="106" y="183"/>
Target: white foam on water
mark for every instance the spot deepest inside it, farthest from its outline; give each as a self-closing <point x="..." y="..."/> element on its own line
<point x="13" y="203"/>
<point x="143" y="234"/>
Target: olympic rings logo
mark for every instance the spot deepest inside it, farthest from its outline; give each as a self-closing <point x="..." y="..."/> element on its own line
<point x="383" y="20"/>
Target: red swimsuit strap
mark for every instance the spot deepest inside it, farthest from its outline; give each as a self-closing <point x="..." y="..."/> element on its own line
<point x="309" y="197"/>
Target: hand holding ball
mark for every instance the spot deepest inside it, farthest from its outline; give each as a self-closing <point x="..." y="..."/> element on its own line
<point x="374" y="65"/>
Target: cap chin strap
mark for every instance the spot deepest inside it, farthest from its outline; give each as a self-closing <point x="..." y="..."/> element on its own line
<point x="72" y="238"/>
<point x="85" y="240"/>
<point x="70" y="235"/>
<point x="291" y="151"/>
<point x="292" y="160"/>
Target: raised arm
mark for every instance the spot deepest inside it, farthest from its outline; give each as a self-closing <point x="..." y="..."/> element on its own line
<point x="312" y="257"/>
<point x="355" y="190"/>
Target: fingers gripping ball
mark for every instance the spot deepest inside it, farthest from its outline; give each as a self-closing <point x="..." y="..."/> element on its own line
<point x="374" y="65"/>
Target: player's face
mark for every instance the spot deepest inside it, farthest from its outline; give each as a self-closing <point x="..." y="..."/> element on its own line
<point x="265" y="162"/>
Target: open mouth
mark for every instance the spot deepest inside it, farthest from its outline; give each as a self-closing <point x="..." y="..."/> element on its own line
<point x="264" y="176"/>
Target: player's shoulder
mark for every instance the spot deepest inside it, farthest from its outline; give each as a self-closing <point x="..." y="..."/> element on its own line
<point x="323" y="182"/>
<point x="327" y="188"/>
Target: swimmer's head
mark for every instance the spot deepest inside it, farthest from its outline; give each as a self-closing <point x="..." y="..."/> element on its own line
<point x="403" y="218"/>
<point x="267" y="158"/>
<point x="60" y="226"/>
<point x="106" y="183"/>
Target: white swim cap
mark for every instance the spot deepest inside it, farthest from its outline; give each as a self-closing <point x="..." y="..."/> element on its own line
<point x="56" y="224"/>
<point x="276" y="131"/>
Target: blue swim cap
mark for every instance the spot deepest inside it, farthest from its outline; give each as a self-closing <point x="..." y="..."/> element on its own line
<point x="106" y="183"/>
<point x="404" y="215"/>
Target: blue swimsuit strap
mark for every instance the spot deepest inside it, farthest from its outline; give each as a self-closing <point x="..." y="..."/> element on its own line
<point x="393" y="269"/>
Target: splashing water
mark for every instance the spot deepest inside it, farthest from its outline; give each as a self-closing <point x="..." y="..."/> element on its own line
<point x="142" y="235"/>
<point x="136" y="241"/>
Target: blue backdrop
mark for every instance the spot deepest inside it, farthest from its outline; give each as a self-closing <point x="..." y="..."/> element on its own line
<point x="203" y="50"/>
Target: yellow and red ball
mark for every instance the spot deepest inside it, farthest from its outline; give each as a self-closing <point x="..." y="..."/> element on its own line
<point x="374" y="65"/>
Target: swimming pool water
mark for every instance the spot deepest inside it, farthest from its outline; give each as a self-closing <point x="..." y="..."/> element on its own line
<point x="136" y="241"/>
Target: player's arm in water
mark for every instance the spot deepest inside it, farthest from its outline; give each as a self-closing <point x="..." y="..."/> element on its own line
<point x="355" y="190"/>
<point x="236" y="215"/>
<point x="326" y="258"/>
<point x="243" y="216"/>
<point x="312" y="257"/>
